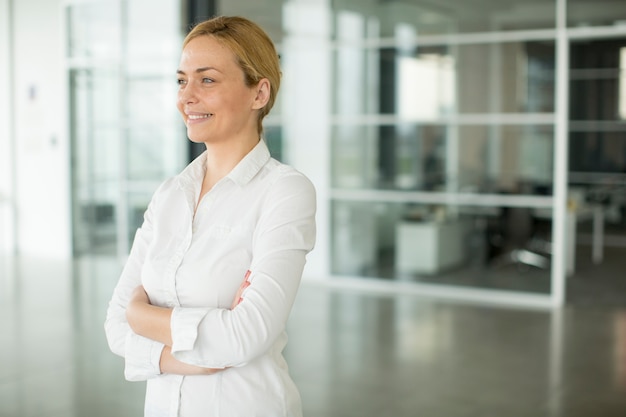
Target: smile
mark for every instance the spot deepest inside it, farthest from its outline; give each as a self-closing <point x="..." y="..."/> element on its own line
<point x="199" y="116"/>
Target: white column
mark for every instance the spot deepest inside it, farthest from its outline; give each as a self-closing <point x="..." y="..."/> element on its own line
<point x="561" y="150"/>
<point x="306" y="98"/>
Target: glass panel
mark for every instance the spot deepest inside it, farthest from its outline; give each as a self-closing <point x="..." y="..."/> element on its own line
<point x="95" y="149"/>
<point x="583" y="13"/>
<point x="94" y="30"/>
<point x="597" y="158"/>
<point x="505" y="159"/>
<point x="156" y="136"/>
<point x="127" y="135"/>
<point x="432" y="82"/>
<point x="504" y="248"/>
<point x="472" y="158"/>
<point x="452" y="16"/>
<point x="153" y="46"/>
<point x="355" y="156"/>
<point x="597" y="81"/>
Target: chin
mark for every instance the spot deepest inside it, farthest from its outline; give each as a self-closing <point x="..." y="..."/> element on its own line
<point x="194" y="140"/>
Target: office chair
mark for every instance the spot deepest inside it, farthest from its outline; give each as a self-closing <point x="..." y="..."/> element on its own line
<point x="512" y="241"/>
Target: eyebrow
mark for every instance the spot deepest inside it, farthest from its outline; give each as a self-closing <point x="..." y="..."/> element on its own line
<point x="199" y="70"/>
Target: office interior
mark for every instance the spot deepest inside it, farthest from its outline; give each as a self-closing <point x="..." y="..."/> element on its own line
<point x="469" y="159"/>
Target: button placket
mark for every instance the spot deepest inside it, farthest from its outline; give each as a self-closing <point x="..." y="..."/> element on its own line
<point x="174" y="263"/>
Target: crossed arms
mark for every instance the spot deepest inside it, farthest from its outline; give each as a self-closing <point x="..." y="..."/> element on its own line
<point x="153" y="322"/>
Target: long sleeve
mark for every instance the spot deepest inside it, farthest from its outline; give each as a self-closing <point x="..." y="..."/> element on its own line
<point x="285" y="233"/>
<point x="141" y="355"/>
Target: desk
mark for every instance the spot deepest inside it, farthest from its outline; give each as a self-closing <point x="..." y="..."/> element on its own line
<point x="428" y="247"/>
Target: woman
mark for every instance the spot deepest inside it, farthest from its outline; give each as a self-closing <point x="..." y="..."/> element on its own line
<point x="202" y="303"/>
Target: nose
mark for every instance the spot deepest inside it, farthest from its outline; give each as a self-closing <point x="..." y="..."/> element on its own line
<point x="187" y="94"/>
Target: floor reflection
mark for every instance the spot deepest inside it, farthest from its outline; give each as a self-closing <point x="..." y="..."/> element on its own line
<point x="352" y="354"/>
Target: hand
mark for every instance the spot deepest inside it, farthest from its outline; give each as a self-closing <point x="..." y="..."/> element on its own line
<point x="170" y="365"/>
<point x="245" y="284"/>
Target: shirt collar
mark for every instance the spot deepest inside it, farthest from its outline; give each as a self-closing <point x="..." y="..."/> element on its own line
<point x="250" y="165"/>
<point x="243" y="172"/>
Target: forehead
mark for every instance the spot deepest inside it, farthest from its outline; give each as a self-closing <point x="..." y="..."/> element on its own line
<point x="207" y="51"/>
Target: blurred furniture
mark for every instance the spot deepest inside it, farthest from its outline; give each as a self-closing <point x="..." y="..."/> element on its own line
<point x="578" y="211"/>
<point x="513" y="240"/>
<point x="427" y="247"/>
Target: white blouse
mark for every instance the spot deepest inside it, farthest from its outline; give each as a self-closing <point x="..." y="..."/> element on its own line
<point x="261" y="218"/>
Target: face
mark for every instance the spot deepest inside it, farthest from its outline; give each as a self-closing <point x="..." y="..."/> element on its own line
<point x="213" y="98"/>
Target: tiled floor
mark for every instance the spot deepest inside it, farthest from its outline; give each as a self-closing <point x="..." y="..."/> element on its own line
<point x="352" y="354"/>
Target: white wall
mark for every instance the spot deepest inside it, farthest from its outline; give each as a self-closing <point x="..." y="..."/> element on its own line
<point x="6" y="152"/>
<point x="38" y="112"/>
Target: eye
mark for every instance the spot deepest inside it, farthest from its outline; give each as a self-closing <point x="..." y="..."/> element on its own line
<point x="180" y="81"/>
<point x="207" y="81"/>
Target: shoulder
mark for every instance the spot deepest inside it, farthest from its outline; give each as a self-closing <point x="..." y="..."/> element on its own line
<point x="172" y="187"/>
<point x="165" y="187"/>
<point x="286" y="178"/>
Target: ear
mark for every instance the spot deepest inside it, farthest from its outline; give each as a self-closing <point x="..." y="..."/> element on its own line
<point x="262" y="94"/>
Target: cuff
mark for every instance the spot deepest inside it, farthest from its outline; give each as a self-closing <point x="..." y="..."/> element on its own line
<point x="142" y="358"/>
<point x="184" y="327"/>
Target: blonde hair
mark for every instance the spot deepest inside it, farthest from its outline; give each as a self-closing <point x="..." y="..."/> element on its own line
<point x="253" y="49"/>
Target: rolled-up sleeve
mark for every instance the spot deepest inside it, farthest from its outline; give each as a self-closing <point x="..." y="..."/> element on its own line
<point x="284" y="235"/>
<point x="142" y="358"/>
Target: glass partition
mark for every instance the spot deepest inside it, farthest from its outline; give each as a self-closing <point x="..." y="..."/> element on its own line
<point x="94" y="30"/>
<point x="442" y="152"/>
<point x="126" y="133"/>
<point x="512" y="159"/>
<point x="445" y="17"/>
<point x="466" y="246"/>
<point x="435" y="82"/>
<point x="597" y="136"/>
<point x="429" y="129"/>
<point x="585" y="13"/>
<point x="95" y="150"/>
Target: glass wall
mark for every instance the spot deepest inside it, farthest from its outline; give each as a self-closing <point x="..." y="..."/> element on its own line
<point x="453" y="16"/>
<point x="444" y="136"/>
<point x="597" y="131"/>
<point x="435" y="132"/>
<point x="126" y="133"/>
<point x="442" y="150"/>
<point x="599" y="13"/>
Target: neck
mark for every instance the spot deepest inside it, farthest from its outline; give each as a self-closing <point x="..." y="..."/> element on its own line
<point x="223" y="157"/>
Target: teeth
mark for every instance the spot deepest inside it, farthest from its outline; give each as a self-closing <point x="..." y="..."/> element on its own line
<point x="198" y="116"/>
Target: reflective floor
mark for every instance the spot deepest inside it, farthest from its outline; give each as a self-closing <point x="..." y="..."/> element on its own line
<point x="352" y="354"/>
